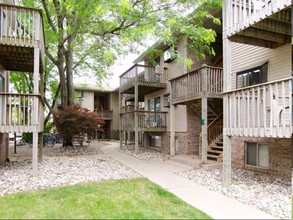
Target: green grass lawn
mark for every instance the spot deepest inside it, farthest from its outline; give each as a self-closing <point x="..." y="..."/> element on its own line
<point x="123" y="199"/>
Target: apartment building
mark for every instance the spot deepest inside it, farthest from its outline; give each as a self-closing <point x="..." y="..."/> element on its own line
<point x="104" y="103"/>
<point x="257" y="42"/>
<point x="170" y="108"/>
<point x="21" y="50"/>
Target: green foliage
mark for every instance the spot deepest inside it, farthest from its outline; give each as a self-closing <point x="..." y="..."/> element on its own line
<point x="98" y="31"/>
<point x="75" y="121"/>
<point x="115" y="199"/>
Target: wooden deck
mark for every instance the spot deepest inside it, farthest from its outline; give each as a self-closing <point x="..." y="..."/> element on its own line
<point x="146" y="77"/>
<point x="203" y="82"/>
<point x="263" y="110"/>
<point x="21" y="113"/>
<point x="261" y="23"/>
<point x="21" y="33"/>
<point x="148" y="121"/>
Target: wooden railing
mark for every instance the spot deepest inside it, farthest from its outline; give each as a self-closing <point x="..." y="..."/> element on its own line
<point x="261" y="111"/>
<point x="215" y="129"/>
<point x="105" y="114"/>
<point x="21" y="26"/>
<point x="147" y="121"/>
<point x="142" y="74"/>
<point x="192" y="85"/>
<point x="244" y="13"/>
<point x="21" y="113"/>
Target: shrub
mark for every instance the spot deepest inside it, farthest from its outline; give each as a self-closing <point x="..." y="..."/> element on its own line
<point x="76" y="121"/>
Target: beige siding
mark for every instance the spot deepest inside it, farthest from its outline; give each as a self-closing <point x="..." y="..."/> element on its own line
<point x="88" y="100"/>
<point x="245" y="56"/>
<point x="180" y="111"/>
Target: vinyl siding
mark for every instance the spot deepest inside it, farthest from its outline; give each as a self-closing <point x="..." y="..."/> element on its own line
<point x="88" y="100"/>
<point x="180" y="111"/>
<point x="245" y="56"/>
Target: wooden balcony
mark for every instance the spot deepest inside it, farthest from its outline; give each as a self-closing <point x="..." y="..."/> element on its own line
<point x="148" y="121"/>
<point x="22" y="113"/>
<point x="261" y="23"/>
<point x="105" y="114"/>
<point x="194" y="85"/>
<point x="21" y="32"/>
<point x="147" y="78"/>
<point x="263" y="110"/>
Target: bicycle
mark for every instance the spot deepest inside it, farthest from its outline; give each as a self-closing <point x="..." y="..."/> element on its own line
<point x="49" y="140"/>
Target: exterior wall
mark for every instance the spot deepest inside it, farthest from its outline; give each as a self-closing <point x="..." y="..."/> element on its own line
<point x="88" y="100"/>
<point x="247" y="56"/>
<point x="4" y="143"/>
<point x="180" y="111"/>
<point x="280" y="155"/>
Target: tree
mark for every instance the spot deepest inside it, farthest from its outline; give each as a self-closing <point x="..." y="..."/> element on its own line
<point x="75" y="121"/>
<point x="87" y="35"/>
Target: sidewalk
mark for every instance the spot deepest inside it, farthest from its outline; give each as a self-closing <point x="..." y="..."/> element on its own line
<point x="214" y="204"/>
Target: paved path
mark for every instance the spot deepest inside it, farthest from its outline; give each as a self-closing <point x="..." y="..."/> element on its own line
<point x="213" y="203"/>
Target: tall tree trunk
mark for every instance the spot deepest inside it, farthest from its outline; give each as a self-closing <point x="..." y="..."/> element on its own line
<point x="69" y="70"/>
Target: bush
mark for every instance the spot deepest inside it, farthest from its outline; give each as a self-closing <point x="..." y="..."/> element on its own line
<point x="76" y="121"/>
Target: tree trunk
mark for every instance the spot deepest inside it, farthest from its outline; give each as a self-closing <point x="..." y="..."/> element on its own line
<point x="69" y="70"/>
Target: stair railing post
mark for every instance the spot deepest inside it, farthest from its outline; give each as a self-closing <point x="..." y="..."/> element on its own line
<point x="204" y="115"/>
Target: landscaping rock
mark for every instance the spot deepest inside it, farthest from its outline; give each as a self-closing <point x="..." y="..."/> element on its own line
<point x="272" y="195"/>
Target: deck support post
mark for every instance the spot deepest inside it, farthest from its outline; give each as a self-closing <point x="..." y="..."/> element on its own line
<point x="204" y="115"/>
<point x="36" y="117"/>
<point x="227" y="169"/>
<point x="136" y="144"/>
<point x="172" y="130"/>
<point x="35" y="153"/>
<point x="226" y="87"/>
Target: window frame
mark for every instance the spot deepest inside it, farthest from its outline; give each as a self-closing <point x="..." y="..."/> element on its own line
<point x="263" y="75"/>
<point x="152" y="139"/>
<point x="169" y="54"/>
<point x="2" y="83"/>
<point x="167" y="100"/>
<point x="257" y="155"/>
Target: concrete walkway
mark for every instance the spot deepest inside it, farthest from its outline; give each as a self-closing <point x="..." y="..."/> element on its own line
<point x="213" y="203"/>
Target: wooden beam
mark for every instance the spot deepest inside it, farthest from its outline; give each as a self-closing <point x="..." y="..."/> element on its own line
<point x="275" y="27"/>
<point x="254" y="41"/>
<point x="265" y="35"/>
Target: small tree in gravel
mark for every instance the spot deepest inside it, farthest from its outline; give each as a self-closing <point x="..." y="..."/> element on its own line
<point x="76" y="121"/>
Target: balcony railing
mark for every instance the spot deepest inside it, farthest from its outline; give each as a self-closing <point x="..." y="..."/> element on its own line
<point x="21" y="113"/>
<point x="21" y="26"/>
<point x="147" y="121"/>
<point x="244" y="13"/>
<point x="142" y="75"/>
<point x="261" y="111"/>
<point x="194" y="84"/>
<point x="105" y="114"/>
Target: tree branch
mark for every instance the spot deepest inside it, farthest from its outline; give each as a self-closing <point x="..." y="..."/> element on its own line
<point x="50" y="21"/>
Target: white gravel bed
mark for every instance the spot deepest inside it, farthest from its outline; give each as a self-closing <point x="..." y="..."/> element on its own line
<point x="146" y="154"/>
<point x="62" y="171"/>
<point x="258" y="190"/>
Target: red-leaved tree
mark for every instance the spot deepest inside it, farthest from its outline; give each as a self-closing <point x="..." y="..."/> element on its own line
<point x="76" y="121"/>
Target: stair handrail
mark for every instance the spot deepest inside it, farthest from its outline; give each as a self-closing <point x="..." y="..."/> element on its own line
<point x="212" y="132"/>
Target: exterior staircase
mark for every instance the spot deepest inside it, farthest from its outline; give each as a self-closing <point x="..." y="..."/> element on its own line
<point x="215" y="150"/>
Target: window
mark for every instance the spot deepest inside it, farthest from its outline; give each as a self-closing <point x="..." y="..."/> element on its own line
<point x="257" y="155"/>
<point x="169" y="55"/>
<point x="167" y="100"/>
<point x="252" y="76"/>
<point x="1" y="83"/>
<point x="155" y="141"/>
<point x="154" y="104"/>
<point x="157" y="61"/>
